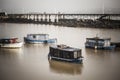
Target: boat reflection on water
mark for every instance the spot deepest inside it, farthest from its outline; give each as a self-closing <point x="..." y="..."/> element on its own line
<point x="27" y="45"/>
<point x="11" y="53"/>
<point x="98" y="52"/>
<point x="65" y="67"/>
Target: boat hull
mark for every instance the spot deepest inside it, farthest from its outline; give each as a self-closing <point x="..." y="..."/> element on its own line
<point x="78" y="61"/>
<point x="12" y="45"/>
<point x="101" y="47"/>
<point x="40" y="41"/>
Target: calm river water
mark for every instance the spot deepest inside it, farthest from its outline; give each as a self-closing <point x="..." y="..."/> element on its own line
<point x="31" y="62"/>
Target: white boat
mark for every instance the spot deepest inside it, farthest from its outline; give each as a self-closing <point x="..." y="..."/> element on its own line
<point x="10" y="43"/>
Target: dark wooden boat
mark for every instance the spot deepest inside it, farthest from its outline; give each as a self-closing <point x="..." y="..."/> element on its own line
<point x="65" y="53"/>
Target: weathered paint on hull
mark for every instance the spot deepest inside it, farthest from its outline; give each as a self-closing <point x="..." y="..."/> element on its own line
<point x="40" y="41"/>
<point x="78" y="61"/>
<point x="12" y="45"/>
<point x="105" y="48"/>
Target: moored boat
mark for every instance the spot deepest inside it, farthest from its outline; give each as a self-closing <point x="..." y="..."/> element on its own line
<point x="39" y="38"/>
<point x="10" y="43"/>
<point x="99" y="43"/>
<point x="65" y="53"/>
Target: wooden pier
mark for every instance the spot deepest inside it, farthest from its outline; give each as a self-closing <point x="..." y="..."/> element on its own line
<point x="52" y="17"/>
<point x="62" y="19"/>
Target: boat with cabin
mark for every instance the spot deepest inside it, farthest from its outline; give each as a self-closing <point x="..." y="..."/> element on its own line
<point x="65" y="53"/>
<point x="10" y="43"/>
<point x="99" y="43"/>
<point x="39" y="38"/>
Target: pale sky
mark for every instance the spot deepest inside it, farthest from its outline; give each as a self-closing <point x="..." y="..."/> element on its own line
<point x="63" y="6"/>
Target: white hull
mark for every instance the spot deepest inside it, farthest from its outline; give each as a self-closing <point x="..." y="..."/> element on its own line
<point x="12" y="45"/>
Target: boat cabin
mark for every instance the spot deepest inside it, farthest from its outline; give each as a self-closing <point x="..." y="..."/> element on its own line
<point x="38" y="36"/>
<point x="64" y="52"/>
<point x="99" y="42"/>
<point x="8" y="40"/>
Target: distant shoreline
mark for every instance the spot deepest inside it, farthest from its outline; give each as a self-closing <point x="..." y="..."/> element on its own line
<point x="71" y="23"/>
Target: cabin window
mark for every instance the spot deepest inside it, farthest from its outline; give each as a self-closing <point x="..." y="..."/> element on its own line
<point x="107" y="43"/>
<point x="34" y="36"/>
<point x="46" y="37"/>
<point x="68" y="56"/>
<point x="55" y="53"/>
<point x="78" y="54"/>
<point x="61" y="54"/>
<point x="91" y="43"/>
<point x="71" y="56"/>
<point x="100" y="43"/>
<point x="75" y="54"/>
<point x="42" y="37"/>
<point x="64" y="54"/>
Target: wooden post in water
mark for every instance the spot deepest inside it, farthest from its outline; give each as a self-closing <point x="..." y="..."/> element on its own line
<point x="45" y="17"/>
<point x="37" y="17"/>
<point x="49" y="18"/>
<point x="41" y="18"/>
<point x="55" y="19"/>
